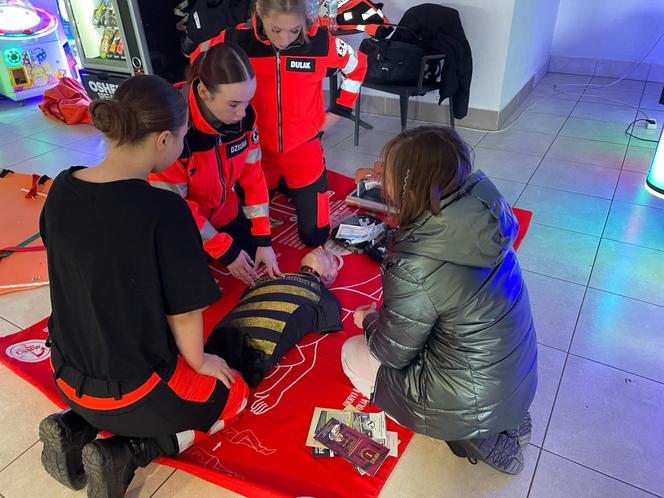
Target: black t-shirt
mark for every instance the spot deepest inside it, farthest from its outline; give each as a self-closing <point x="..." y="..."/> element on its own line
<point x="121" y="257"/>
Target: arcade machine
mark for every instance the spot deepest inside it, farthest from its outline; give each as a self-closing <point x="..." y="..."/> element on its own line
<point x="70" y="46"/>
<point x="31" y="55"/>
<point x="120" y="38"/>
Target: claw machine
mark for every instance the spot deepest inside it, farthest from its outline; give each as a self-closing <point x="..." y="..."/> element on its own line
<point x="119" y="38"/>
<point x="31" y="55"/>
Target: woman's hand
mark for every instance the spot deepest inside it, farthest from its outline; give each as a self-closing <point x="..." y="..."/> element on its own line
<point x="330" y="120"/>
<point x="265" y="256"/>
<point x="242" y="268"/>
<point x="362" y="312"/>
<point x="216" y="367"/>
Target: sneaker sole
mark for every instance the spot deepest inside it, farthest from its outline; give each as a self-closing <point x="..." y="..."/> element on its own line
<point x="101" y="481"/>
<point x="521" y="439"/>
<point x="56" y="453"/>
<point x="467" y="451"/>
<point x="524" y="439"/>
<point x="523" y="432"/>
<point x="501" y="442"/>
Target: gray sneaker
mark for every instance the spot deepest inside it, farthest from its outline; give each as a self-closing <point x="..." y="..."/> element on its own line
<point x="522" y="433"/>
<point x="499" y="451"/>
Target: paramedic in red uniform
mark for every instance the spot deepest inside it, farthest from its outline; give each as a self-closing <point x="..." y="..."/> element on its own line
<point x="221" y="153"/>
<point x="291" y="57"/>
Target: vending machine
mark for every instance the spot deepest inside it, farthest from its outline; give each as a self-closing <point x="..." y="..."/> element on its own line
<point x="119" y="38"/>
<point x="31" y="55"/>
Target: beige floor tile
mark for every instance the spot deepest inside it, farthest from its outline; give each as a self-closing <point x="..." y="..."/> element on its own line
<point x="7" y="328"/>
<point x="608" y="420"/>
<point x="22" y="407"/>
<point x="25" y="478"/>
<point x="428" y="468"/>
<point x="558" y="477"/>
<point x="26" y="307"/>
<point x="183" y="485"/>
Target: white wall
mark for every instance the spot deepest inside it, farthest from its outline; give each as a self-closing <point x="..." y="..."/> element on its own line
<point x="619" y="30"/>
<point x="533" y="24"/>
<point x="487" y="25"/>
<point x="510" y="41"/>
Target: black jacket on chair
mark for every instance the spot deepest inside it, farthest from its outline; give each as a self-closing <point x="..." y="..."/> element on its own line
<point x="440" y="32"/>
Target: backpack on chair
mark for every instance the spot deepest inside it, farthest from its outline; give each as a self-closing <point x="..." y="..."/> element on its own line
<point x="391" y="62"/>
<point x="438" y="30"/>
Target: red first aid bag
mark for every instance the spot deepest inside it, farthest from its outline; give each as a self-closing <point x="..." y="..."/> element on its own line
<point x="67" y="103"/>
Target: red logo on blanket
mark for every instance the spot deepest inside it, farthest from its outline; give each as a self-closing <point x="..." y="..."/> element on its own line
<point x="30" y="351"/>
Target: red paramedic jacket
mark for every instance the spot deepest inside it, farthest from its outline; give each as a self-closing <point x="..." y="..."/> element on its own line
<point x="289" y="98"/>
<point x="212" y="161"/>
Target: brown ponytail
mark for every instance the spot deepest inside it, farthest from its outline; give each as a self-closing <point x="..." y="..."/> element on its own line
<point x="221" y="64"/>
<point x="422" y="166"/>
<point x="141" y="105"/>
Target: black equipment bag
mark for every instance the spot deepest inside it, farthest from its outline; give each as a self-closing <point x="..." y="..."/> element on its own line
<point x="392" y="62"/>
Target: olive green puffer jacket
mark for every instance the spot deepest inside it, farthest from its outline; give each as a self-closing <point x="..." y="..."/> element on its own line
<point x="455" y="334"/>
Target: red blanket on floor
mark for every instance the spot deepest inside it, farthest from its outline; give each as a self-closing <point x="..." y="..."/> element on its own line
<point x="264" y="454"/>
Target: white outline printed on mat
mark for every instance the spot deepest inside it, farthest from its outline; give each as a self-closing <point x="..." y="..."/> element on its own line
<point x="266" y="400"/>
<point x="248" y="438"/>
<point x="223" y="273"/>
<point x="211" y="462"/>
<point x="375" y="293"/>
<point x="285" y="376"/>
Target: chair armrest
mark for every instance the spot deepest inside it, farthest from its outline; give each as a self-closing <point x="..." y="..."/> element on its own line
<point x="423" y="66"/>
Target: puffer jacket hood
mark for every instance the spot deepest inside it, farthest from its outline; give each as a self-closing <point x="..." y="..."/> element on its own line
<point x="475" y="227"/>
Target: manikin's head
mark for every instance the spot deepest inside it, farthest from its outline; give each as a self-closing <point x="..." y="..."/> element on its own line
<point x="324" y="263"/>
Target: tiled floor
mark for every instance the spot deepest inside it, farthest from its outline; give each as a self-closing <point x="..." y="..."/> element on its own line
<point x="593" y="261"/>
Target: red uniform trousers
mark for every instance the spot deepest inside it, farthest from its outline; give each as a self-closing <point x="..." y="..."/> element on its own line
<point x="303" y="170"/>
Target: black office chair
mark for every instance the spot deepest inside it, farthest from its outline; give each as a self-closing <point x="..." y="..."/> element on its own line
<point x="405" y="92"/>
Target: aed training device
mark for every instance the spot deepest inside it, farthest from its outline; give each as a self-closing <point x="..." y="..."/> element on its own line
<point x="369" y="195"/>
<point x="31" y="56"/>
<point x="655" y="178"/>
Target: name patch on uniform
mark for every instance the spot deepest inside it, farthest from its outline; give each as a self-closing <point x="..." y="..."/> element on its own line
<point x="301" y="65"/>
<point x="235" y="148"/>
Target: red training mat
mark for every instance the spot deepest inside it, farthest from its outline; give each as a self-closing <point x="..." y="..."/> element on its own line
<point x="263" y="454"/>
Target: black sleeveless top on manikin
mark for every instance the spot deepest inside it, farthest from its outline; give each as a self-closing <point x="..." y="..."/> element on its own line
<point x="271" y="317"/>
